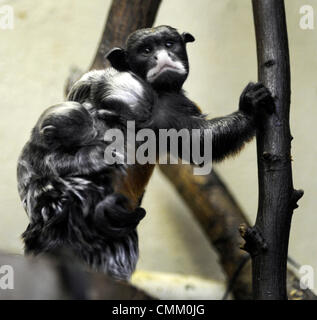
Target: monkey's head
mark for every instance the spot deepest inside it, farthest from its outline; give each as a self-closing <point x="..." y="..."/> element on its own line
<point x="158" y="55"/>
<point x="67" y="124"/>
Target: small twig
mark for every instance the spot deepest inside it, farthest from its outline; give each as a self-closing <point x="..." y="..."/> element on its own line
<point x="255" y="244"/>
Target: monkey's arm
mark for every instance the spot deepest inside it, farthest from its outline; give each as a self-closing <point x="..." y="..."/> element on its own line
<point x="227" y="134"/>
<point x="231" y="132"/>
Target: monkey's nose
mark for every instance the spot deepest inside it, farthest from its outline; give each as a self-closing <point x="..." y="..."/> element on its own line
<point x="162" y="55"/>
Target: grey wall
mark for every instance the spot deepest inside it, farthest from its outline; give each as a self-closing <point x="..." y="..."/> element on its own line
<point x="50" y="36"/>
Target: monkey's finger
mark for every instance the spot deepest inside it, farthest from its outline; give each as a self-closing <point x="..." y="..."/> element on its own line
<point x="266" y="102"/>
<point x="259" y="95"/>
<point x="255" y="87"/>
<point x="265" y="94"/>
<point x="262" y="99"/>
<point x="261" y="91"/>
<point x="247" y="88"/>
<point x="256" y="90"/>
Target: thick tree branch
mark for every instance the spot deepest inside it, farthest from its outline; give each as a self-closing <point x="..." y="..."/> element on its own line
<point x="267" y="241"/>
<point x="124" y="17"/>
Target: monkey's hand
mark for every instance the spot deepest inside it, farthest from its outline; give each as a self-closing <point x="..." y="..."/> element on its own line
<point x="256" y="98"/>
<point x="113" y="217"/>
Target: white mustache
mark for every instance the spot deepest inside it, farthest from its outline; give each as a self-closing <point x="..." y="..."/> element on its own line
<point x="164" y="62"/>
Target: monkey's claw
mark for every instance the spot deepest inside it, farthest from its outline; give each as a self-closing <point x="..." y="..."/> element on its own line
<point x="256" y="97"/>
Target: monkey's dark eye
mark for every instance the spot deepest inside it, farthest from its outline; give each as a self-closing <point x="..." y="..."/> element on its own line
<point x="147" y="50"/>
<point x="169" y="44"/>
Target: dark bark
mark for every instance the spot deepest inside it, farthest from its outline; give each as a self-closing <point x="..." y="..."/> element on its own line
<point x="124" y="17"/>
<point x="220" y="216"/>
<point x="268" y="240"/>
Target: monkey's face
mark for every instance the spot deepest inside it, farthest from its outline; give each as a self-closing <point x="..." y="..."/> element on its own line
<point x="158" y="55"/>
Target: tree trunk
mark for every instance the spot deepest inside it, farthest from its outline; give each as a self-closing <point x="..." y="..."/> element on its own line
<point x="267" y="241"/>
<point x="124" y="17"/>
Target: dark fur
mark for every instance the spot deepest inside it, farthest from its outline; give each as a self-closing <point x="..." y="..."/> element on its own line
<point x="172" y="108"/>
<point x="66" y="189"/>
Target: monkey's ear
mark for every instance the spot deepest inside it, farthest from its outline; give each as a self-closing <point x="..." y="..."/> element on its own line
<point x="187" y="37"/>
<point x="48" y="133"/>
<point x="118" y="59"/>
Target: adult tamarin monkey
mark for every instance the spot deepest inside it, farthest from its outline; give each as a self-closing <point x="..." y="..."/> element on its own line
<point x="153" y="66"/>
<point x="144" y="85"/>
